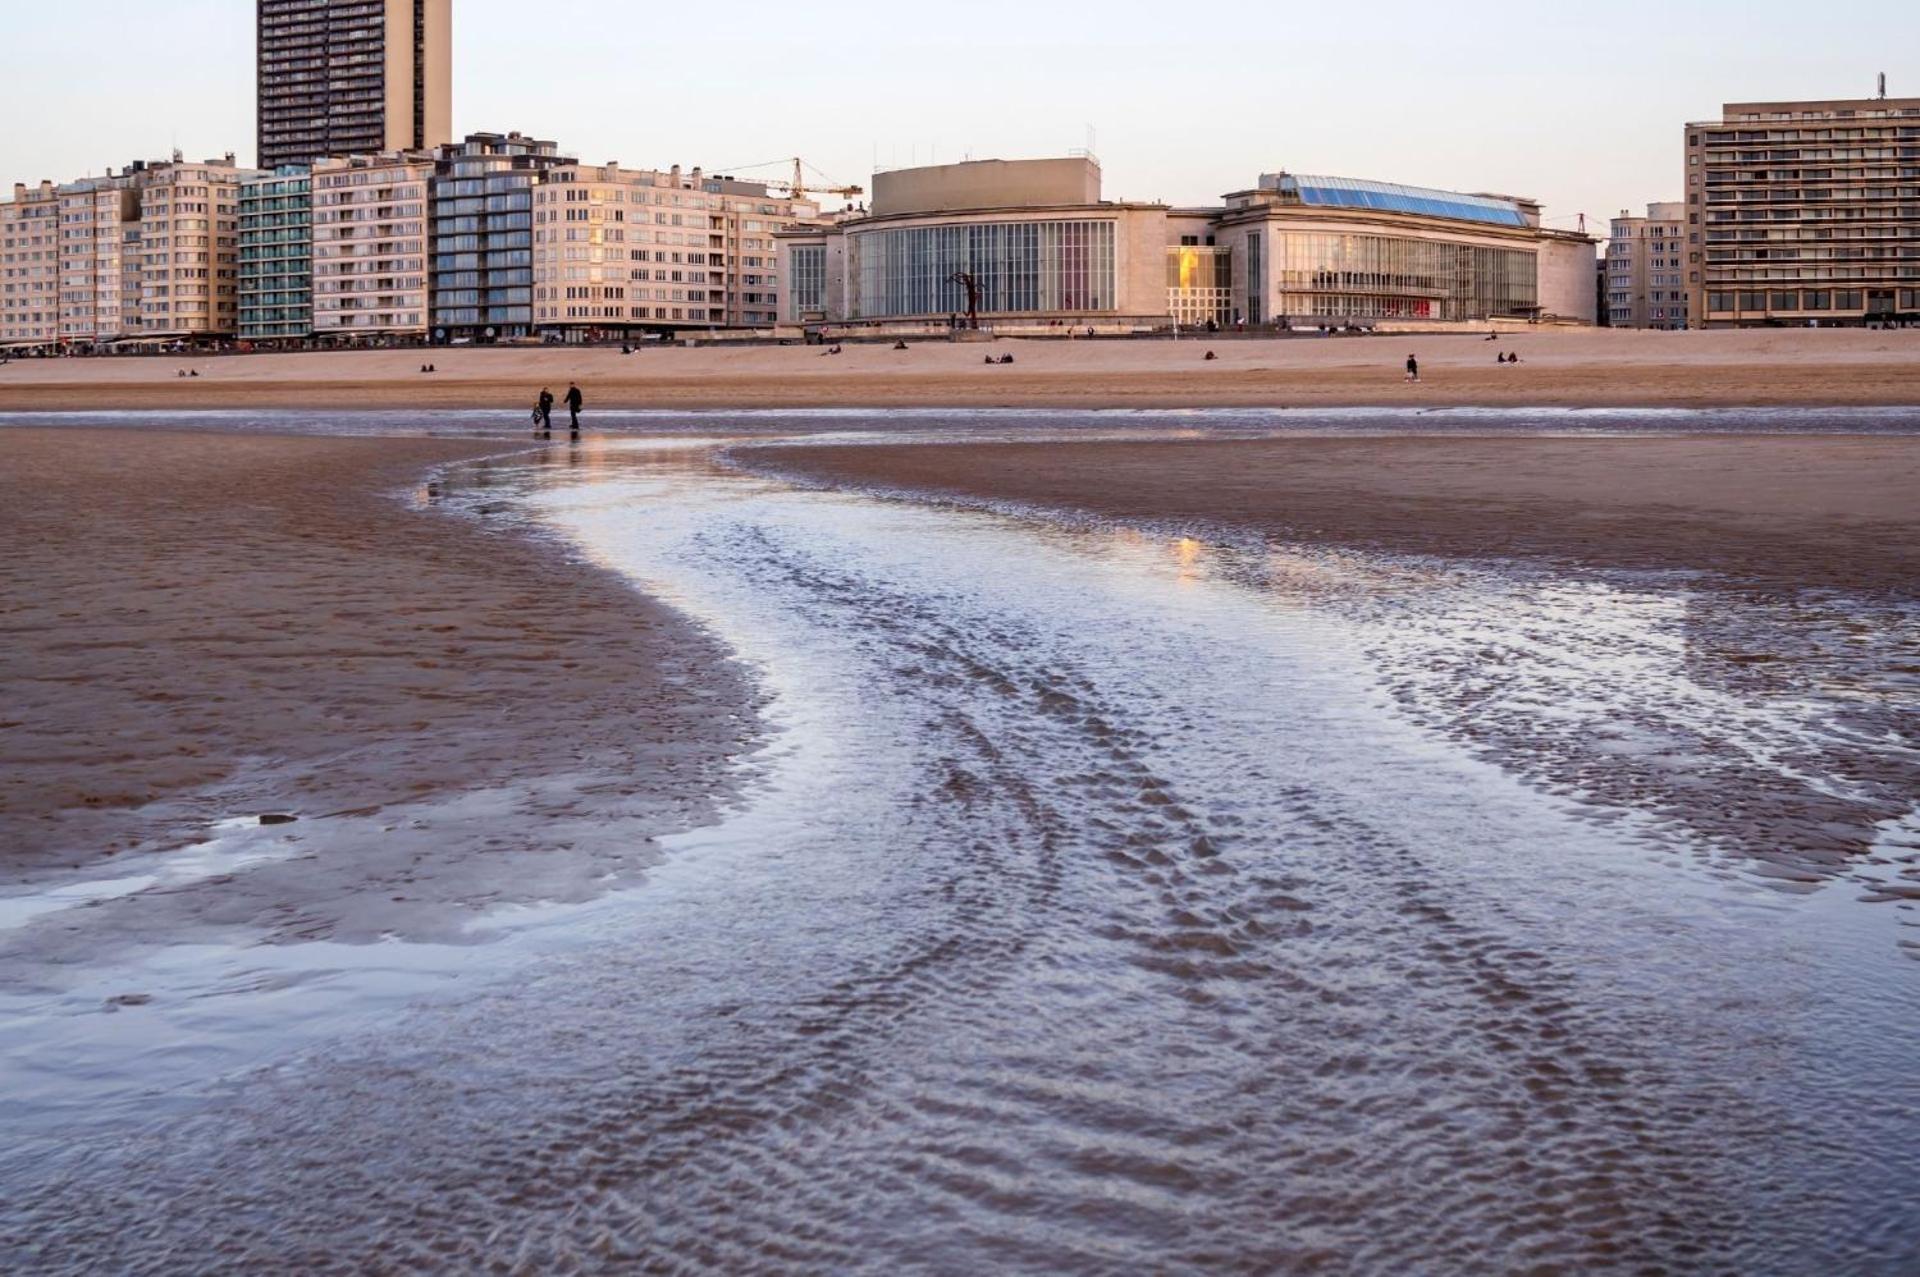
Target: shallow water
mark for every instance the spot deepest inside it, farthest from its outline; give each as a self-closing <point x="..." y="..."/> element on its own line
<point x="1112" y="902"/>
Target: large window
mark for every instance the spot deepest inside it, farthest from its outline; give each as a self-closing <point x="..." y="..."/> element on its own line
<point x="808" y="287"/>
<point x="1019" y="268"/>
<point x="1199" y="284"/>
<point x="1390" y="277"/>
<point x="1256" y="278"/>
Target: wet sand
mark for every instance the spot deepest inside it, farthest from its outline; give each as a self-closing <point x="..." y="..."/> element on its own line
<point x="1102" y="900"/>
<point x="204" y="628"/>
<point x="1795" y="562"/>
<point x="1559" y="368"/>
<point x="1795" y="512"/>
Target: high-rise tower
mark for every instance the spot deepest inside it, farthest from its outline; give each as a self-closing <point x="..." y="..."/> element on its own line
<point x="352" y="77"/>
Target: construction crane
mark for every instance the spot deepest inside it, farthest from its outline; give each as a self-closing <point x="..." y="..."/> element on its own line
<point x="800" y="187"/>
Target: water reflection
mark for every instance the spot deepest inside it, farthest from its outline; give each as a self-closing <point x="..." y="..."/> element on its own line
<point x="1109" y="902"/>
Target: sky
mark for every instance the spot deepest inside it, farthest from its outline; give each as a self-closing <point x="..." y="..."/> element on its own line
<point x="1579" y="107"/>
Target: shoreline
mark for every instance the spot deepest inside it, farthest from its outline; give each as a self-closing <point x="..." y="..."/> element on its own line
<point x="1769" y="511"/>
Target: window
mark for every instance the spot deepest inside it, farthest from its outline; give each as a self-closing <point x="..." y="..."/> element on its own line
<point x="807" y="278"/>
<point x="1019" y="267"/>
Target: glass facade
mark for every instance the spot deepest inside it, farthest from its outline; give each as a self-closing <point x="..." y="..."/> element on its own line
<point x="276" y="256"/>
<point x="1020" y="267"/>
<point x="1337" y="276"/>
<point x="483" y="235"/>
<point x="1391" y="197"/>
<point x="808" y="286"/>
<point x="1199" y="284"/>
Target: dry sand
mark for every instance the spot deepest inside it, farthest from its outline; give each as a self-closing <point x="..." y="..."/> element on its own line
<point x="201" y="627"/>
<point x="1777" y="510"/>
<point x="1560" y="367"/>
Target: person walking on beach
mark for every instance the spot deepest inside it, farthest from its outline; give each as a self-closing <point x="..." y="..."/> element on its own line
<point x="543" y="414"/>
<point x="573" y="408"/>
<point x="1413" y="368"/>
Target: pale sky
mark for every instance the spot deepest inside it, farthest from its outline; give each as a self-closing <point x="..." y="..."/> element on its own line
<point x="1577" y="106"/>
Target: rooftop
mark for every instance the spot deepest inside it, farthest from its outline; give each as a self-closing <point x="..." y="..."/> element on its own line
<point x="1392" y="197"/>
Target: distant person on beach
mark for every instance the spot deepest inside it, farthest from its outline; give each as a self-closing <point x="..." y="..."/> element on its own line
<point x="543" y="414"/>
<point x="574" y="401"/>
<point x="1413" y="368"/>
<point x="1211" y="356"/>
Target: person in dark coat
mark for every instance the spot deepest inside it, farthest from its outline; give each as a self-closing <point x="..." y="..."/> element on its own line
<point x="543" y="414"/>
<point x="573" y="408"/>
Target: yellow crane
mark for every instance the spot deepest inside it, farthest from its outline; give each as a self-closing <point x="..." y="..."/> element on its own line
<point x="800" y="187"/>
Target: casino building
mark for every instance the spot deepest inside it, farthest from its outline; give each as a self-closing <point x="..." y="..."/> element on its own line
<point x="1041" y="249"/>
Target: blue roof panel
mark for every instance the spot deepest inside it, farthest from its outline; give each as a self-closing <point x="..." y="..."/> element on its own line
<point x="1390" y="197"/>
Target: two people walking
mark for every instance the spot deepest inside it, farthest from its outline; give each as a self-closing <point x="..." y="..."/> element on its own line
<point x="543" y="412"/>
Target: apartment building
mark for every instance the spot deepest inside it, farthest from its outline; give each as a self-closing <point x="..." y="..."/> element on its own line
<point x="96" y="215"/>
<point x="483" y="235"/>
<point x="276" y="256"/>
<point x="618" y="250"/>
<point x="371" y="245"/>
<point x="30" y="266"/>
<point x="188" y="246"/>
<point x="1646" y="268"/>
<point x="1804" y="212"/>
<point x="350" y="77"/>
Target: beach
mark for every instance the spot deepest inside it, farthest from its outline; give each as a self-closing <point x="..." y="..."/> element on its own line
<point x="825" y="841"/>
<point x="1790" y="511"/>
<point x="1558" y="368"/>
<point x="204" y="629"/>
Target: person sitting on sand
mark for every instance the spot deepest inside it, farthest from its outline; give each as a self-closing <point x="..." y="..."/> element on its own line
<point x="1514" y="358"/>
<point x="988" y="359"/>
<point x="1006" y="359"/>
<point x="899" y="345"/>
<point x="1413" y="368"/>
<point x="1210" y="356"/>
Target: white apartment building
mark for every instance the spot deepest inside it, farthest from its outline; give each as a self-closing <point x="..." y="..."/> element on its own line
<point x="188" y="247"/>
<point x="619" y="250"/>
<point x="30" y="267"/>
<point x="99" y="220"/>
<point x="370" y="245"/>
<point x="1646" y="271"/>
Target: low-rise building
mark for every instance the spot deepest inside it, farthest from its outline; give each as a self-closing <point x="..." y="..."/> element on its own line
<point x="371" y="246"/>
<point x="639" y="250"/>
<point x="1646" y="286"/>
<point x="276" y="256"/>
<point x="1033" y="243"/>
